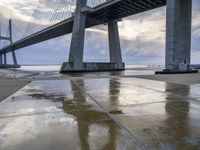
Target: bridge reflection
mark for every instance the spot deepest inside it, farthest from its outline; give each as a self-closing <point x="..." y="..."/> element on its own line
<point x="86" y="117"/>
<point x="178" y="118"/>
<point x="164" y="117"/>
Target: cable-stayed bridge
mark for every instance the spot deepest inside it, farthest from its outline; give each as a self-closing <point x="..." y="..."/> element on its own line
<point x="83" y="14"/>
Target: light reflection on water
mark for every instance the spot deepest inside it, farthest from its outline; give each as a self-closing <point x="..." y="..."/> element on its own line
<point x="57" y="67"/>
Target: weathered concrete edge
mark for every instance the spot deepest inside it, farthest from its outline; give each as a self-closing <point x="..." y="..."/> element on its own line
<point x="176" y="72"/>
<point x="68" y="67"/>
<point x="9" y="66"/>
<point x="12" y="93"/>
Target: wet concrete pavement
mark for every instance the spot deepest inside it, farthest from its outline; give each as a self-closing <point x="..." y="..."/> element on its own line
<point x="101" y="114"/>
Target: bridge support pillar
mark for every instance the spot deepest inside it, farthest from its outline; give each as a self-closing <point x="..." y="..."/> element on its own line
<point x="75" y="63"/>
<point x="5" y="58"/>
<point x="78" y="35"/>
<point x="178" y="35"/>
<point x="114" y="45"/>
<point x="11" y="41"/>
<point x="14" y="58"/>
<point x="1" y="59"/>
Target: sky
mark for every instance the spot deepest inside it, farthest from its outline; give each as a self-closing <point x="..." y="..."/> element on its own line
<point x="142" y="36"/>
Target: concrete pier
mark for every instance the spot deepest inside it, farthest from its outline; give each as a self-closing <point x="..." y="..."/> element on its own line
<point x="178" y="35"/>
<point x="92" y="67"/>
<point x="78" y="34"/>
<point x="73" y="114"/>
<point x="75" y="63"/>
<point x="11" y="42"/>
<point x="5" y="59"/>
<point x="114" y="45"/>
<point x="1" y="59"/>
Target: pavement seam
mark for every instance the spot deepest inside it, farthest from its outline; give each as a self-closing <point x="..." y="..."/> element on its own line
<point x="134" y="139"/>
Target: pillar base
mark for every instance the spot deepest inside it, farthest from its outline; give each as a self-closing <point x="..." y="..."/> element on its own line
<point x="165" y="71"/>
<point x="9" y="66"/>
<point x="68" y="67"/>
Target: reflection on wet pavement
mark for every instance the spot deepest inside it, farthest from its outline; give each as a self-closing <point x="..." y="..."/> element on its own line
<point x="101" y="114"/>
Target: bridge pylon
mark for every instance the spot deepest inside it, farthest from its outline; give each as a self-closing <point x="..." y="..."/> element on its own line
<point x="75" y="62"/>
<point x="178" y="37"/>
<point x="3" y="56"/>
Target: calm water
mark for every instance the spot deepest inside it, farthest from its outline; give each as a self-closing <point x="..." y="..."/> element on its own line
<point x="57" y="67"/>
<point x="53" y="71"/>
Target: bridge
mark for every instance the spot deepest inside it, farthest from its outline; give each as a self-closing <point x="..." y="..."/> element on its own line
<point x="178" y="33"/>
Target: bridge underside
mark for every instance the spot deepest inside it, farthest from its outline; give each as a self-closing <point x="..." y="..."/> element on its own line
<point x="178" y="32"/>
<point x="112" y="10"/>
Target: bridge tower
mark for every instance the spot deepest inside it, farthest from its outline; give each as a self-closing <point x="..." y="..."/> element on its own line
<point x="178" y="35"/>
<point x="3" y="57"/>
<point x="75" y="62"/>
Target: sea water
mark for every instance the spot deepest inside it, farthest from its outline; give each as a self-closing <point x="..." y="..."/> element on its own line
<point x="52" y="71"/>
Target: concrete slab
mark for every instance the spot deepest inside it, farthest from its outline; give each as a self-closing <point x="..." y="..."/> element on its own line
<point x="160" y="115"/>
<point x="57" y="115"/>
<point x="105" y="113"/>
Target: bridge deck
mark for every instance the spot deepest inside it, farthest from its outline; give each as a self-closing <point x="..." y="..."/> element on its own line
<point x="112" y="10"/>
